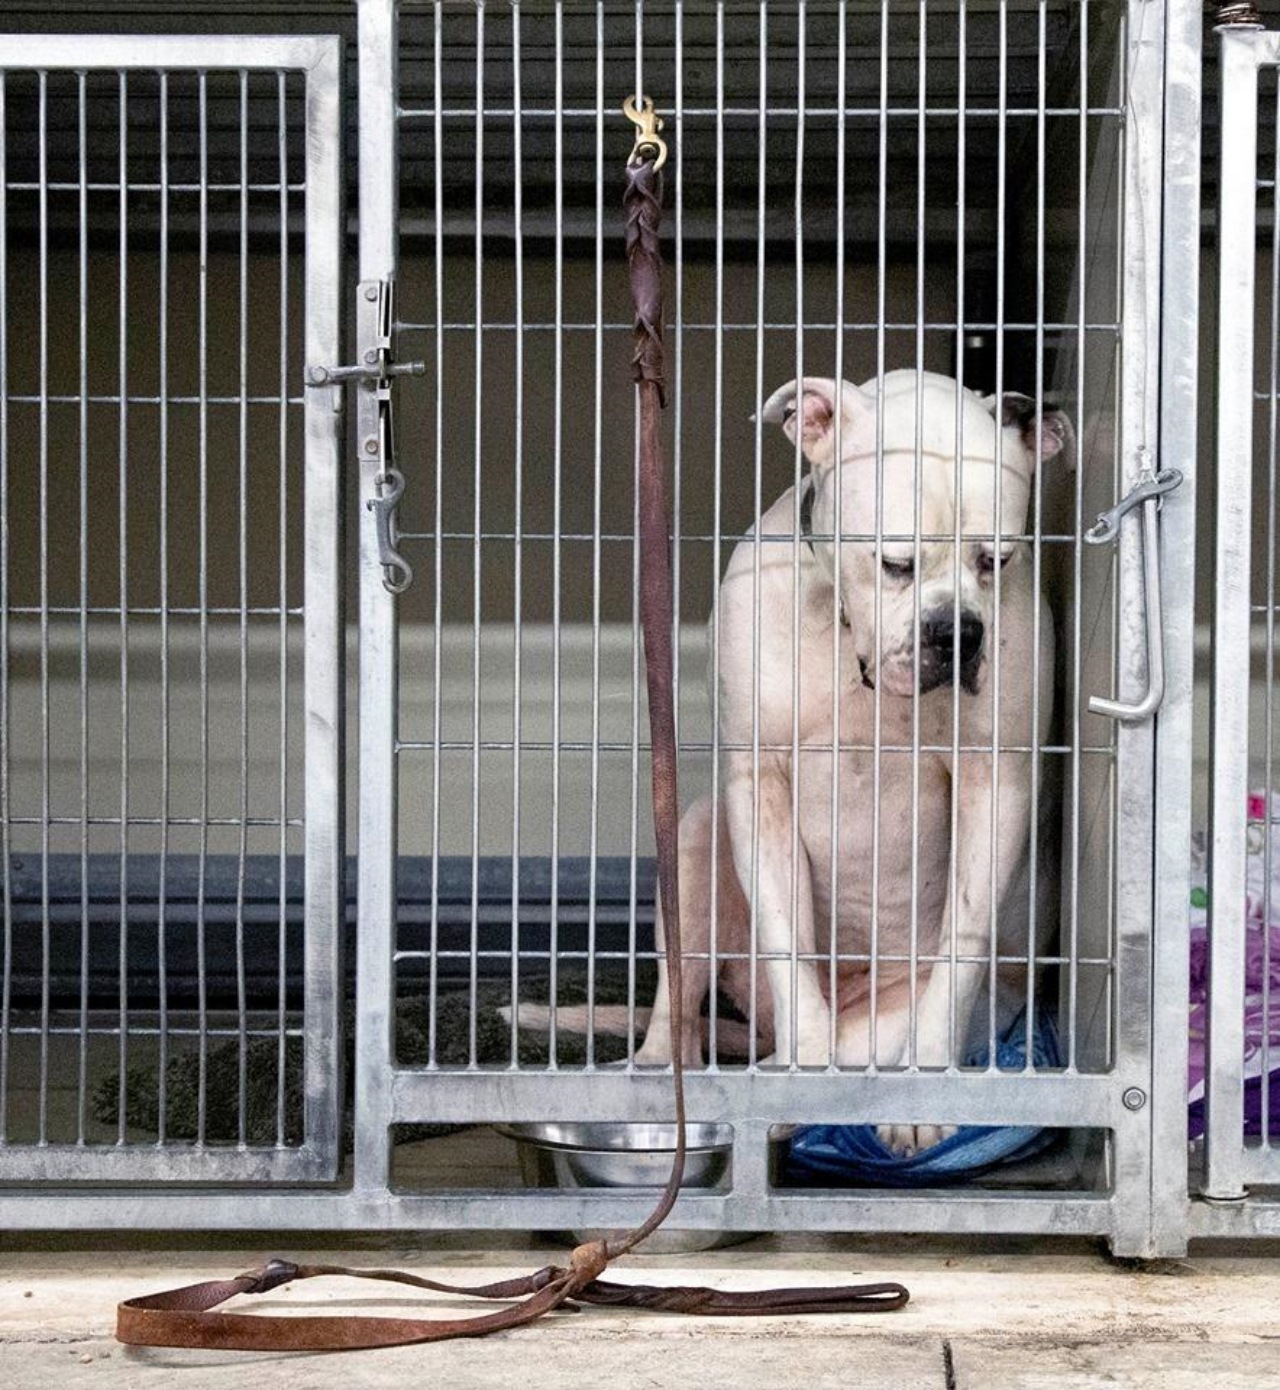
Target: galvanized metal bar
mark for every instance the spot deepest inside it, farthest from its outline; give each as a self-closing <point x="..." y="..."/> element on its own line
<point x="45" y="508"/>
<point x="517" y="561"/>
<point x="282" y="601"/>
<point x="323" y="623"/>
<point x="1128" y="1001"/>
<point x="437" y="616"/>
<point x="82" y="1051"/>
<point x="242" y="455"/>
<point x="995" y="649"/>
<point x="786" y="1044"/>
<point x="1238" y="55"/>
<point x="163" y="52"/>
<point x="477" y="483"/>
<point x="963" y="1213"/>
<point x="717" y="512"/>
<point x="557" y="464"/>
<point x="1272" y="595"/>
<point x="877" y="694"/>
<point x="162" y="1064"/>
<point x="1180" y="254"/>
<point x="122" y="533"/>
<point x="202" y="561"/>
<point x="375" y="976"/>
<point x="6" y="808"/>
<point x="597" y="483"/>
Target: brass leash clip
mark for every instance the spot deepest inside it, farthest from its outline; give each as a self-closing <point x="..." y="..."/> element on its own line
<point x="649" y="143"/>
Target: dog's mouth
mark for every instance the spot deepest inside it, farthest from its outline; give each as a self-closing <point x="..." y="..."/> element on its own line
<point x="866" y="673"/>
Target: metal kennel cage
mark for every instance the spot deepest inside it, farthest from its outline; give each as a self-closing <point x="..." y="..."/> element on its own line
<point x="1006" y="192"/>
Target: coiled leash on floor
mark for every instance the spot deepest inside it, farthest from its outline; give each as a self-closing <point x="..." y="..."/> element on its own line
<point x="184" y="1317"/>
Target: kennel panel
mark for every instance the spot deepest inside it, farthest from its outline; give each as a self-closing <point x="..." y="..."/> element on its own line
<point x="852" y="187"/>
<point x="169" y="610"/>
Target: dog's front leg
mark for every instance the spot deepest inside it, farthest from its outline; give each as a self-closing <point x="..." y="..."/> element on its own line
<point x="984" y="868"/>
<point x="759" y="815"/>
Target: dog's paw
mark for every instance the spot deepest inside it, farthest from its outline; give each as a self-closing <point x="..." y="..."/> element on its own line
<point x="907" y="1140"/>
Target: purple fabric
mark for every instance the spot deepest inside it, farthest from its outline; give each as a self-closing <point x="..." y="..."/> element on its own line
<point x="1261" y="1001"/>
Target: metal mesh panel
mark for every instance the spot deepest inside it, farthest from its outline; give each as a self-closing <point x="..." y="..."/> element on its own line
<point x="152" y="701"/>
<point x="852" y="189"/>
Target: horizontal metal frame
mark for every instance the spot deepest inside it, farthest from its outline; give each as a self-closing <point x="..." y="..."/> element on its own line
<point x="319" y="58"/>
<point x="942" y="1211"/>
<point x="172" y="52"/>
<point x="771" y="1097"/>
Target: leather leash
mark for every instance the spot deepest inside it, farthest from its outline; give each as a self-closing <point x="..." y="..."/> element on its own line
<point x="184" y="1317"/>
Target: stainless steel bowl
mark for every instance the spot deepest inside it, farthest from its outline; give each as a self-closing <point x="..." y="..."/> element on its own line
<point x="574" y="1156"/>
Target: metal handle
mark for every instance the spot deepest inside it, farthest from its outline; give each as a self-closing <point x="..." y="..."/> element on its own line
<point x="1147" y="494"/>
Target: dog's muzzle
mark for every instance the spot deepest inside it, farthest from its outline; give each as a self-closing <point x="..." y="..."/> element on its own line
<point x="940" y="651"/>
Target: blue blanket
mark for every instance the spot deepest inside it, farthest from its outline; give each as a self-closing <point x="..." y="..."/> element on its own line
<point x="823" y="1154"/>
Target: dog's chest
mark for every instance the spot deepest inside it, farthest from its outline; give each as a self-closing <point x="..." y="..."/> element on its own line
<point x="894" y="862"/>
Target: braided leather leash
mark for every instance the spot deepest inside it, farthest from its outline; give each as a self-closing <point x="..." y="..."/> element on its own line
<point x="184" y="1318"/>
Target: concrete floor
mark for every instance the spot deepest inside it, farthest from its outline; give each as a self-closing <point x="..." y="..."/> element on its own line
<point x="1018" y="1315"/>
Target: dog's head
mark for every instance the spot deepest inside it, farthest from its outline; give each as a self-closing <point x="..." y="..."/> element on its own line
<point x="952" y="460"/>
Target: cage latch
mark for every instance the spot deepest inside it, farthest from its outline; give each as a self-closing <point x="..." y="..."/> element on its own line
<point x="377" y="364"/>
<point x="1147" y="493"/>
<point x="376" y="373"/>
<point x="1150" y="485"/>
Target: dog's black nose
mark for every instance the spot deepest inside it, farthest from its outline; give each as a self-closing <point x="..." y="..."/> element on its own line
<point x="939" y="632"/>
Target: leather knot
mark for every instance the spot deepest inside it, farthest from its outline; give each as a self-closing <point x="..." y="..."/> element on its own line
<point x="589" y="1261"/>
<point x="270" y="1276"/>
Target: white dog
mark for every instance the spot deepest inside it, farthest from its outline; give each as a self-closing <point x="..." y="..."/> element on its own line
<point x="891" y="601"/>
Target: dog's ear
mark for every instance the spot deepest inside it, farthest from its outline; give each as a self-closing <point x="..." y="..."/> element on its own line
<point x="1019" y="412"/>
<point x="810" y="405"/>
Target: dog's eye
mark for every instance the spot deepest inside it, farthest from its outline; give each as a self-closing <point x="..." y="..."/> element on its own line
<point x="987" y="561"/>
<point x="898" y="569"/>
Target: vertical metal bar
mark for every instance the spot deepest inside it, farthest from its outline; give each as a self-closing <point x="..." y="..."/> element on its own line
<point x="242" y="455"/>
<point x="162" y="1064"/>
<point x="45" y="503"/>
<point x="375" y="978"/>
<point x="82" y="1066"/>
<point x="1033" y="849"/>
<point x="717" y="452"/>
<point x="6" y="809"/>
<point x="1131" y="868"/>
<point x="1175" y="735"/>
<point x="597" y="478"/>
<point x="437" y="624"/>
<point x="477" y="486"/>
<point x="1002" y="190"/>
<point x="757" y="509"/>
<point x="913" y="964"/>
<point x="1075" y="723"/>
<point x="882" y="195"/>
<point x="842" y="44"/>
<point x="557" y="457"/>
<point x="202" y="366"/>
<point x="477" y="476"/>
<point x="324" y="684"/>
<point x="797" y="465"/>
<point x="1269" y="597"/>
<point x="517" y="578"/>
<point x="953" y="859"/>
<point x="282" y="602"/>
<point x="122" y="530"/>
<point x="1229" y="770"/>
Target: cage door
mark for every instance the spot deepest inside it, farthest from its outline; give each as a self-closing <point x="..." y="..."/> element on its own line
<point x="170" y="617"/>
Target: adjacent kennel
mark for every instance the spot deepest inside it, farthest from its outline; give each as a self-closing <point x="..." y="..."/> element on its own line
<point x="208" y="890"/>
